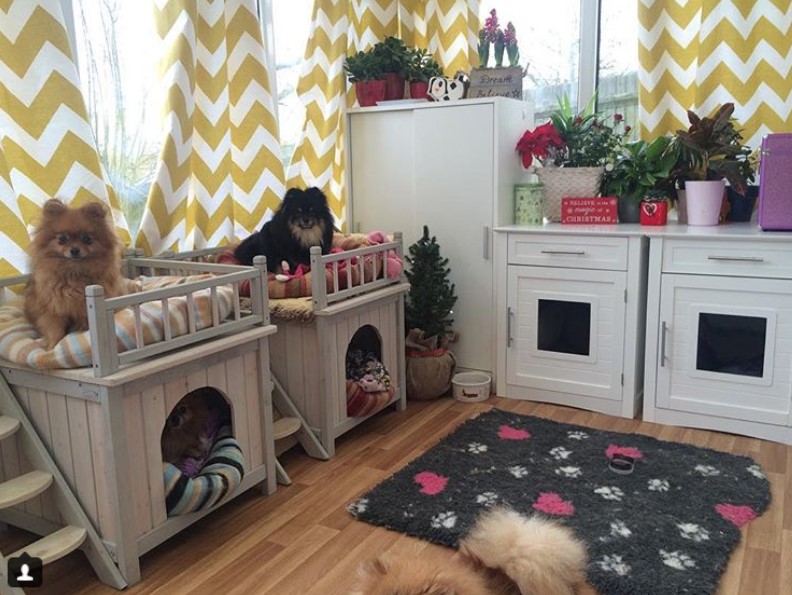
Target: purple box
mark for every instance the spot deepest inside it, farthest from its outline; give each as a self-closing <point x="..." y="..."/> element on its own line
<point x="775" y="183"/>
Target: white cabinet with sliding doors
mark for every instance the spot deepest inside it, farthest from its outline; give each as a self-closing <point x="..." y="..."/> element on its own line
<point x="719" y="330"/>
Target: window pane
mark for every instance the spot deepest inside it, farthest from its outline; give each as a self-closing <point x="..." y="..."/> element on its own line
<point x="549" y="42"/>
<point x="617" y="90"/>
<point x="117" y="56"/>
<point x="291" y="21"/>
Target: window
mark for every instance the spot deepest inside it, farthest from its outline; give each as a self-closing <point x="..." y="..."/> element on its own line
<point x="116" y="52"/>
<point x="580" y="46"/>
<point x="291" y="25"/>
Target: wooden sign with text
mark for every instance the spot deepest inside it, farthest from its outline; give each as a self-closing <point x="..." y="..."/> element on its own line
<point x="589" y="211"/>
<point x="496" y="82"/>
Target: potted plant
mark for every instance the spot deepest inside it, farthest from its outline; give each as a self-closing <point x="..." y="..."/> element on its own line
<point x="428" y="311"/>
<point x="710" y="154"/>
<point x="643" y="167"/>
<point x="393" y="55"/>
<point x="573" y="148"/>
<point x="420" y="67"/>
<point x="364" y="70"/>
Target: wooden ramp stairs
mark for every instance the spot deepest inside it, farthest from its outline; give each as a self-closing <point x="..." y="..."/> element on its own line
<point x="293" y="422"/>
<point x="77" y="532"/>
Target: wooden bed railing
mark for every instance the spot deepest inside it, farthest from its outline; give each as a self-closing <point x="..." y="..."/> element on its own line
<point x="371" y="265"/>
<point x="101" y="310"/>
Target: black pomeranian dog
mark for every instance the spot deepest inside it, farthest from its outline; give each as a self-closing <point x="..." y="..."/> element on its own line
<point x="302" y="220"/>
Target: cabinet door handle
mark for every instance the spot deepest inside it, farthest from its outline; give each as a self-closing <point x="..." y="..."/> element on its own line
<point x="740" y="258"/>
<point x="486" y="252"/>
<point x="663" y="330"/>
<point x="509" y="315"/>
<point x="569" y="252"/>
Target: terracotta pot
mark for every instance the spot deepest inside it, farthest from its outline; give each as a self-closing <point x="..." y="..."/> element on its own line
<point x="394" y="86"/>
<point x="419" y="90"/>
<point x="369" y="92"/>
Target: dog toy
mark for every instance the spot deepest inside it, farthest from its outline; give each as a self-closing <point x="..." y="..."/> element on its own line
<point x="287" y="275"/>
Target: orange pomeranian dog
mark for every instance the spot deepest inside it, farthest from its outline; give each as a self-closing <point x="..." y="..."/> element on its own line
<point x="504" y="553"/>
<point x="186" y="432"/>
<point x="71" y="249"/>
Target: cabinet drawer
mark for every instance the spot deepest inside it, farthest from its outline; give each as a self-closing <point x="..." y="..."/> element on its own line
<point x="567" y="251"/>
<point x="730" y="258"/>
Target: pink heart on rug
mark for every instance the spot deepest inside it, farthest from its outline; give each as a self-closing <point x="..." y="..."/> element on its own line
<point x="551" y="503"/>
<point x="627" y="451"/>
<point x="739" y="515"/>
<point x="431" y="483"/>
<point x="509" y="433"/>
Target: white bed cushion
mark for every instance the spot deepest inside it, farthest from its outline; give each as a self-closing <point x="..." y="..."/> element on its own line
<point x="19" y="341"/>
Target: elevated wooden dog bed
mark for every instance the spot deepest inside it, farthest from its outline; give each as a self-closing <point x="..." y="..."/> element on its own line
<point x="102" y="424"/>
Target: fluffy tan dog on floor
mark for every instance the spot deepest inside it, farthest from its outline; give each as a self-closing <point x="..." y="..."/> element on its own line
<point x="71" y="249"/>
<point x="505" y="553"/>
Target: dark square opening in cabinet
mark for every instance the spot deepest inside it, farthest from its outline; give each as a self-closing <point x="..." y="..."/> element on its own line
<point x="731" y="344"/>
<point x="564" y="327"/>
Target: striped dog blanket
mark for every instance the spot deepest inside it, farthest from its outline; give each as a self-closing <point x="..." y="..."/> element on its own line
<point x="220" y="475"/>
<point x="19" y="344"/>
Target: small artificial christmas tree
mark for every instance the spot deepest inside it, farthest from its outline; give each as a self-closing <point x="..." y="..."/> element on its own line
<point x="431" y="298"/>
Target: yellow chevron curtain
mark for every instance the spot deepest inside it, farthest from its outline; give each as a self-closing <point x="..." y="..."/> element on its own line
<point x="220" y="172"/>
<point x="447" y="28"/>
<point x="698" y="54"/>
<point x="47" y="148"/>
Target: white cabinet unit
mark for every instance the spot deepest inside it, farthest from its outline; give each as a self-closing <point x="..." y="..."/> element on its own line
<point x="570" y="315"/>
<point x="451" y="166"/>
<point x="719" y="330"/>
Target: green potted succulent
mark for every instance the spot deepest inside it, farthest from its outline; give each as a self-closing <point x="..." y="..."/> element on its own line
<point x="364" y="70"/>
<point x="711" y="152"/>
<point x="393" y="55"/>
<point x="419" y="69"/>
<point x="642" y="170"/>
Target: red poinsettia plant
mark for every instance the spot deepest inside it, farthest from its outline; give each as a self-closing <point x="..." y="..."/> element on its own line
<point x="570" y="139"/>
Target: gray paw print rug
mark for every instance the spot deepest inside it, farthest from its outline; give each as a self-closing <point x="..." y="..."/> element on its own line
<point x="658" y="517"/>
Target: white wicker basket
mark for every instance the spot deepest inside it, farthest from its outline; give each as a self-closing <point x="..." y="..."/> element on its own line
<point x="561" y="182"/>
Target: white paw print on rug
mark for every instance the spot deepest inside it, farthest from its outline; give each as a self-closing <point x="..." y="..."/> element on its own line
<point x="444" y="520"/>
<point x="693" y="531"/>
<point x="707" y="470"/>
<point x="487" y="499"/>
<point x="756" y="471"/>
<point x="577" y="435"/>
<point x="614" y="563"/>
<point x="619" y="529"/>
<point x="677" y="559"/>
<point x="569" y="471"/>
<point x="518" y="471"/>
<point x="610" y="493"/>
<point x="560" y="453"/>
<point x="477" y="447"/>
<point x="657" y="485"/>
<point x="358" y="506"/>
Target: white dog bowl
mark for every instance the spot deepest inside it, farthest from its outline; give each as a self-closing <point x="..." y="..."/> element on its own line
<point x="471" y="387"/>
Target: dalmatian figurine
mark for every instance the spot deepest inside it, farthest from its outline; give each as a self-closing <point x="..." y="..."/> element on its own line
<point x="447" y="89"/>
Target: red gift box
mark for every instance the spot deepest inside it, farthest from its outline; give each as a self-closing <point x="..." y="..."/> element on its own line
<point x="654" y="212"/>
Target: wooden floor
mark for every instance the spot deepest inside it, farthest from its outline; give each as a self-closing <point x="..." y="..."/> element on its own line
<point x="302" y="541"/>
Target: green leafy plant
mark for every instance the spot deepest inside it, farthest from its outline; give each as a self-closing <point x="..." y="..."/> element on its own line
<point x="420" y="66"/>
<point x="363" y="66"/>
<point x="392" y="53"/>
<point x="712" y="149"/>
<point x="642" y="170"/>
<point x="431" y="297"/>
<point x="573" y="139"/>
